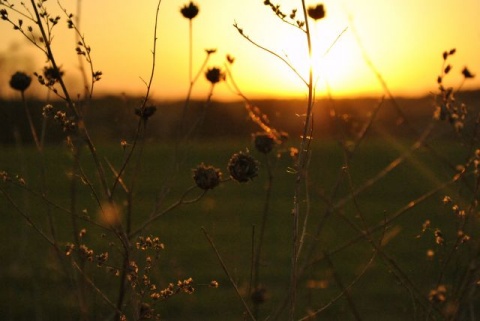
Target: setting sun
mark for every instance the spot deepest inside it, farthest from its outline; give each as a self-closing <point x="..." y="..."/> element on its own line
<point x="402" y="42"/>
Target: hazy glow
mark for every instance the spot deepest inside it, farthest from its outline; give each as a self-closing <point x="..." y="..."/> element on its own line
<point x="403" y="39"/>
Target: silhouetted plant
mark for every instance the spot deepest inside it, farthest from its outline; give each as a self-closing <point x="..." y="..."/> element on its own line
<point x="115" y="247"/>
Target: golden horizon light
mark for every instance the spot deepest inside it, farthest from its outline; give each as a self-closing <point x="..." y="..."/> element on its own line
<point x="402" y="40"/>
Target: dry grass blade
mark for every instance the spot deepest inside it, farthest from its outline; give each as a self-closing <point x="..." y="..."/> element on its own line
<point x="227" y="273"/>
<point x="312" y="315"/>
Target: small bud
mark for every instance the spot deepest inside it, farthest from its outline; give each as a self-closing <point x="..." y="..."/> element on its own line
<point x="293" y="14"/>
<point x="447" y="200"/>
<point x="145" y="112"/>
<point x="466" y="73"/>
<point x="69" y="247"/>
<point x="101" y="258"/>
<point x="210" y="51"/>
<point x="47" y="111"/>
<point x="230" y="59"/>
<point x="214" y="284"/>
<point x="439" y="237"/>
<point x="4" y="14"/>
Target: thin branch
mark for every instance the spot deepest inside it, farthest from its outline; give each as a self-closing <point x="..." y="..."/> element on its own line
<point x="341" y="294"/>
<point x="94" y="287"/>
<point x="156" y="216"/>
<point x="140" y="121"/>
<point x="256" y="44"/>
<point x="225" y="269"/>
<point x="394" y="216"/>
<point x="153" y="53"/>
<point x="346" y="291"/>
<point x="26" y="217"/>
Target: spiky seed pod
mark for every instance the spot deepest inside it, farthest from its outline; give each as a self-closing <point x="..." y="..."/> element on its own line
<point x="190" y="11"/>
<point x="207" y="177"/>
<point x="214" y="75"/>
<point x="242" y="167"/>
<point x="53" y="75"/>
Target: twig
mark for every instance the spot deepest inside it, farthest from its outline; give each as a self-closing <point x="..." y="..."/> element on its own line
<point x="94" y="287"/>
<point x="341" y="294"/>
<point x="178" y="203"/>
<point x="256" y="279"/>
<point x="393" y="217"/>
<point x="346" y="291"/>
<point x="225" y="269"/>
<point x="26" y="217"/>
<point x="289" y="65"/>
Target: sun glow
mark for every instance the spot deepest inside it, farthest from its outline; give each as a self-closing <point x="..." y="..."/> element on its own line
<point x="407" y="61"/>
<point x="336" y="60"/>
<point x="404" y="40"/>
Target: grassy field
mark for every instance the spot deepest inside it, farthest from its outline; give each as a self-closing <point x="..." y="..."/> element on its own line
<point x="34" y="286"/>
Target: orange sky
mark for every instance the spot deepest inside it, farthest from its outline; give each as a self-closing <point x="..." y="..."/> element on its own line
<point x="404" y="39"/>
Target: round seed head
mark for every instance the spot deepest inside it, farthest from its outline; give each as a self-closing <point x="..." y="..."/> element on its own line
<point x="214" y="75"/>
<point x="317" y="12"/>
<point x="207" y="177"/>
<point x="264" y="142"/>
<point x="189" y="11"/>
<point x="20" y="81"/>
<point x="242" y="167"/>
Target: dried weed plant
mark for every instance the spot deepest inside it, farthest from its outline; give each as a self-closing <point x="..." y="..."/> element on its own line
<point x="132" y="256"/>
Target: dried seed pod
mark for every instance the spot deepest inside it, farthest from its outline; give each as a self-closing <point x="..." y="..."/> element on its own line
<point x="207" y="177"/>
<point x="242" y="167"/>
<point x="20" y="81"/>
<point x="215" y="75"/>
<point x="317" y="12"/>
<point x="190" y="11"/>
<point x="264" y="142"/>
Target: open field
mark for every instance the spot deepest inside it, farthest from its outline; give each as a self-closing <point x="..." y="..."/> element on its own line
<point x="34" y="286"/>
<point x="220" y="196"/>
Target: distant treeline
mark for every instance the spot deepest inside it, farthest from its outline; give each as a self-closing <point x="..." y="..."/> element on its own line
<point x="112" y="118"/>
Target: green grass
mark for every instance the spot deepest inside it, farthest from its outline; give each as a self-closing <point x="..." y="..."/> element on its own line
<point x="34" y="286"/>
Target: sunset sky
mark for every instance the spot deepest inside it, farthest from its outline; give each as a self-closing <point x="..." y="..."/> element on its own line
<point x="403" y="39"/>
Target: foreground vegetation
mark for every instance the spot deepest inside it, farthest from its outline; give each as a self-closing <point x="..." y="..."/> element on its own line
<point x="368" y="222"/>
<point x="34" y="283"/>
